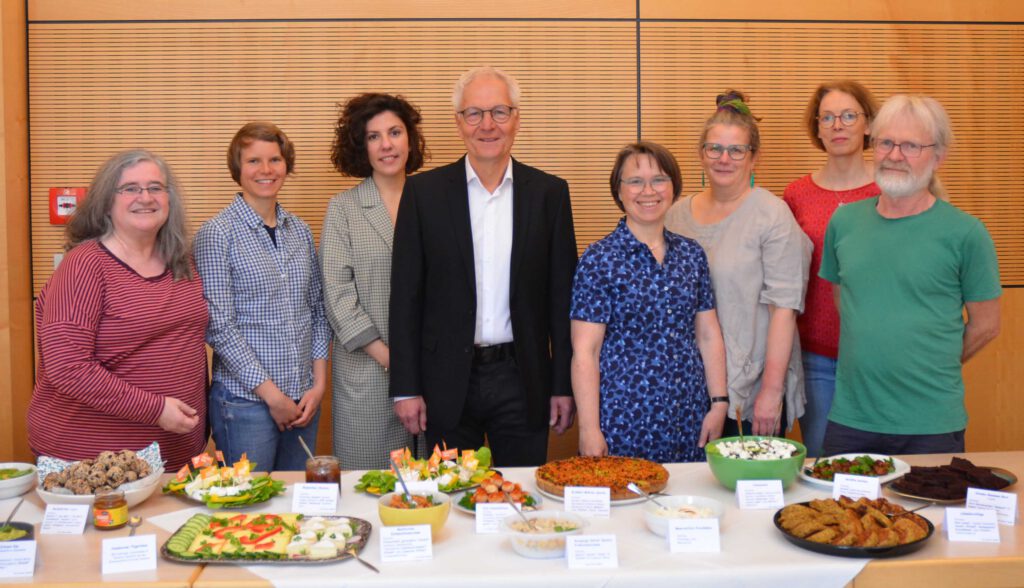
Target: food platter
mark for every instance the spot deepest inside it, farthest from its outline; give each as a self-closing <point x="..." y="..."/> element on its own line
<point x="457" y="499"/>
<point x="902" y="468"/>
<point x="236" y="506"/>
<point x="362" y="532"/>
<point x="1004" y="474"/>
<point x="852" y="551"/>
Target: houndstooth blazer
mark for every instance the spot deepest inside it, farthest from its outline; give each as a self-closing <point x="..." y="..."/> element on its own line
<point x="355" y="255"/>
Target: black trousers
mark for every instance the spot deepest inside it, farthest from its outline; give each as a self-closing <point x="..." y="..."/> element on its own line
<point x="496" y="408"/>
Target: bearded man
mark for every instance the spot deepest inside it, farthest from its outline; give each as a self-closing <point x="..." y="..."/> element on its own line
<point x="904" y="266"/>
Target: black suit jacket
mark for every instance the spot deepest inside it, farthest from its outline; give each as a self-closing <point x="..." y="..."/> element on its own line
<point x="433" y="290"/>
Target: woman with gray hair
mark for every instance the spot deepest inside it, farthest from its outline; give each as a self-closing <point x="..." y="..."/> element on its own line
<point x="120" y="324"/>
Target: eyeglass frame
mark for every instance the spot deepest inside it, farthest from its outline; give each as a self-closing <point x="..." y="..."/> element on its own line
<point x="826" y="124"/>
<point x="160" y="189"/>
<point x="664" y="180"/>
<point x="915" y="152"/>
<point x="511" y="110"/>
<point x="746" y="149"/>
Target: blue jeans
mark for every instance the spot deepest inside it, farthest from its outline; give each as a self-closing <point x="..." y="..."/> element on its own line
<point x="820" y="386"/>
<point x="244" y="426"/>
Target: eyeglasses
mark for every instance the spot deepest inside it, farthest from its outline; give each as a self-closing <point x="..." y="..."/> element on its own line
<point x="155" y="190"/>
<point x="499" y="114"/>
<point x="907" y="148"/>
<point x="847" y="117"/>
<point x="636" y="185"/>
<point x="736" y="152"/>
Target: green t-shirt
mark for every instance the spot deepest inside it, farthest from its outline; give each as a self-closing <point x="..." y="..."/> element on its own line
<point x="903" y="283"/>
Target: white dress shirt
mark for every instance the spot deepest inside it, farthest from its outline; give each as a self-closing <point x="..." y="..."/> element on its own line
<point x="490" y="216"/>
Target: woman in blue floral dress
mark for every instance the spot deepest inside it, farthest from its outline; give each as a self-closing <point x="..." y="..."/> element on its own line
<point x="648" y="367"/>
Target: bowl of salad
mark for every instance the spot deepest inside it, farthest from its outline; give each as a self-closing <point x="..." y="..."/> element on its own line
<point x="544" y="536"/>
<point x="755" y="458"/>
<point x="16" y="478"/>
<point x="429" y="508"/>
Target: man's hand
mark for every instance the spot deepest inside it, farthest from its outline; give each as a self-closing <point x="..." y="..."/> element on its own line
<point x="563" y="412"/>
<point x="413" y="414"/>
<point x="177" y="417"/>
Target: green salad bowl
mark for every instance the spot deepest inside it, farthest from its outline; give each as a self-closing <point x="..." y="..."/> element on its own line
<point x="730" y="469"/>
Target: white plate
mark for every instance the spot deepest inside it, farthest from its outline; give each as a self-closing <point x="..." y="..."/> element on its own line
<point x="460" y="508"/>
<point x="21" y="484"/>
<point x="902" y="467"/>
<point x="620" y="502"/>
<point x="138" y="491"/>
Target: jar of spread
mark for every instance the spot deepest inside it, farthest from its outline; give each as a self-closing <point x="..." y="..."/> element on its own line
<point x="110" y="510"/>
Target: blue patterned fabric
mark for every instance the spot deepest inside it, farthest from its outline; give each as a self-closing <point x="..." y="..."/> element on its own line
<point x="267" y="317"/>
<point x="653" y="392"/>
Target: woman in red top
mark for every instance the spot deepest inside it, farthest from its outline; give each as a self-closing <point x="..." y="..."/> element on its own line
<point x="837" y="119"/>
<point x="121" y="324"/>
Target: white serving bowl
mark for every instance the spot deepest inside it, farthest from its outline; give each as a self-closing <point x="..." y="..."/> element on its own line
<point x="21" y="484"/>
<point x="657" y="518"/>
<point x="541" y="545"/>
<point x="140" y="490"/>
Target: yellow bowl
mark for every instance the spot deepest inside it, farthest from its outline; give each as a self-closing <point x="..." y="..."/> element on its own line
<point x="435" y="516"/>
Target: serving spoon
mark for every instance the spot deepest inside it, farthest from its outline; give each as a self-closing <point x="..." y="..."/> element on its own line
<point x="529" y="521"/>
<point x="134" y="522"/>
<point x="11" y="516"/>
<point x="632" y="487"/>
<point x="408" y="495"/>
<point x="351" y="550"/>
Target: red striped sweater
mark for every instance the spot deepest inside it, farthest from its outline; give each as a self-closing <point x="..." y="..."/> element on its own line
<point x="112" y="345"/>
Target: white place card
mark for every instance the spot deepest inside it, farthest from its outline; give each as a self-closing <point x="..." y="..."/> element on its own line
<point x="1004" y="503"/>
<point x="854" y="487"/>
<point x="65" y="519"/>
<point x="964" y="524"/>
<point x="595" y="502"/>
<point x="129" y="554"/>
<point x="694" y="536"/>
<point x="315" y="499"/>
<point x="406" y="543"/>
<point x="591" y="551"/>
<point x="759" y="494"/>
<point x="17" y="559"/>
<point x="490" y="514"/>
<point x="421" y="487"/>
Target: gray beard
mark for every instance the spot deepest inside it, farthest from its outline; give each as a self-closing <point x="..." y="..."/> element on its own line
<point x="900" y="185"/>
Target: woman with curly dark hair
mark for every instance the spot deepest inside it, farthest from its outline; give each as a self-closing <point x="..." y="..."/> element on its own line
<point x="377" y="137"/>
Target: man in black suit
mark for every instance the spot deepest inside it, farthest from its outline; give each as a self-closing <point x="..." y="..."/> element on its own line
<point x="484" y="256"/>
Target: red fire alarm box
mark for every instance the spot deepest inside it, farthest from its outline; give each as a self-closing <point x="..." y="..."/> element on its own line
<point x="63" y="202"/>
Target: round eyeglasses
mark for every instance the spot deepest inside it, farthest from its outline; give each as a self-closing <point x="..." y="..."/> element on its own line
<point x="907" y="148"/>
<point x="736" y="152"/>
<point x="847" y="117"/>
<point x="499" y="114"/>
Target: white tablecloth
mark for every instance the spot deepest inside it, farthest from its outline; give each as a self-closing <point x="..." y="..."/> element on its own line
<point x="753" y="551"/>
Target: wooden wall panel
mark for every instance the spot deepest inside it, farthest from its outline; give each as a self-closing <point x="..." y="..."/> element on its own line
<point x="975" y="71"/>
<point x="181" y="77"/>
<point x="184" y="89"/>
<point x="15" y="274"/>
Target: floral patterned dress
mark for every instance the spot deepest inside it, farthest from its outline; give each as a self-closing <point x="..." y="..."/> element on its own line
<point x="653" y="391"/>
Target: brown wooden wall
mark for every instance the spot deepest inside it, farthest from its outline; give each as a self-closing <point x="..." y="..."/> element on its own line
<point x="181" y="77"/>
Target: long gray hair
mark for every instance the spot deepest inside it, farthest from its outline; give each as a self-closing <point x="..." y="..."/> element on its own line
<point x="933" y="118"/>
<point x="91" y="220"/>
